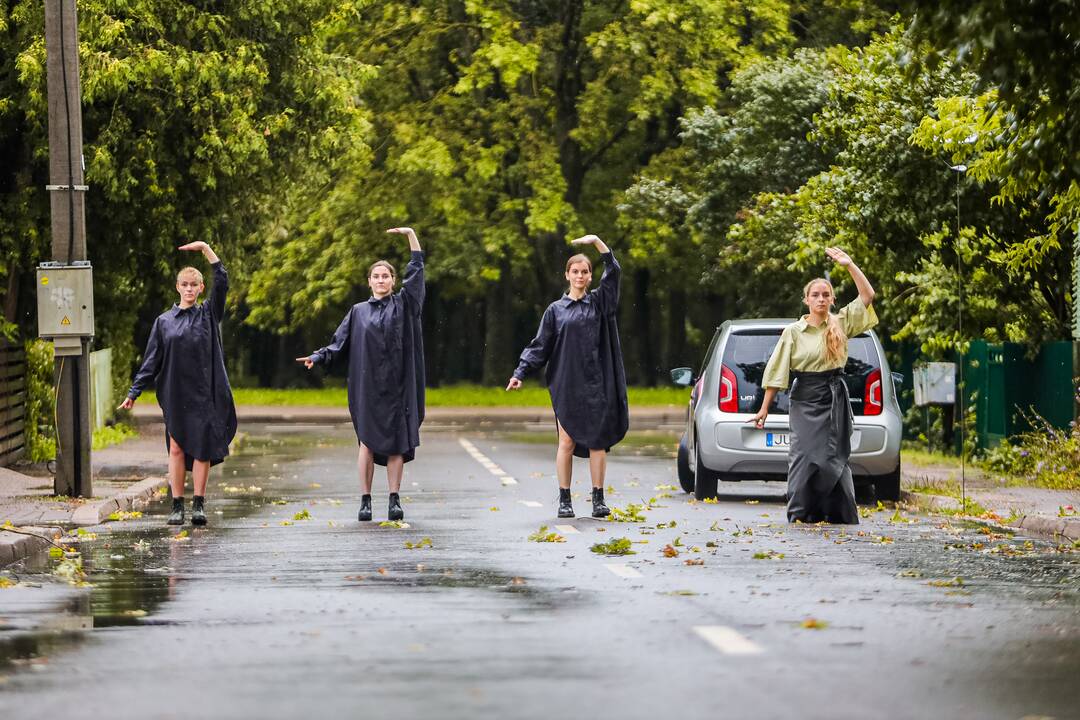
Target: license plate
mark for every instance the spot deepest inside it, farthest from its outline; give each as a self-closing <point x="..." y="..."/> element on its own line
<point x="777" y="440"/>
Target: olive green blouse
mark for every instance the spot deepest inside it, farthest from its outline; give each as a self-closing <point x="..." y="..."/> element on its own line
<point x="802" y="346"/>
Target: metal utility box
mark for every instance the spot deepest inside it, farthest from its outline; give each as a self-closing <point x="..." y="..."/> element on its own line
<point x="65" y="303"/>
<point x="935" y="383"/>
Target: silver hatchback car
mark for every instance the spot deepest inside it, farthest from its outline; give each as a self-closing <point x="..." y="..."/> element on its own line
<point x="721" y="444"/>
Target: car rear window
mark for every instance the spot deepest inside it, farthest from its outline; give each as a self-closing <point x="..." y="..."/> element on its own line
<point x="746" y="353"/>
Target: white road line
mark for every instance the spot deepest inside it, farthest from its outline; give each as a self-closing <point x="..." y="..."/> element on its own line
<point x="530" y="503"/>
<point x="487" y="462"/>
<point x="567" y="529"/>
<point x="623" y="571"/>
<point x="728" y="640"/>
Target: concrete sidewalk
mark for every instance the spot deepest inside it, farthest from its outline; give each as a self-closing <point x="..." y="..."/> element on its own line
<point x="1054" y="514"/>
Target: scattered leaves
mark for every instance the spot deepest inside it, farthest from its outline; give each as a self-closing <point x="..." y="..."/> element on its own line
<point x="396" y="524"/>
<point x="542" y="535"/>
<point x="302" y="515"/>
<point x="424" y="543"/>
<point x="122" y="515"/>
<point x="694" y="561"/>
<point x="955" y="582"/>
<point x="616" y="546"/>
<point x="632" y="514"/>
<point x="768" y="555"/>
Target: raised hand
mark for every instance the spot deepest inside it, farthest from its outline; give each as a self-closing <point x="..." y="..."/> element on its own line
<point x="591" y="240"/>
<point x="408" y="232"/>
<point x="838" y="255"/>
<point x="514" y="384"/>
<point x="197" y="246"/>
<point x="308" y="362"/>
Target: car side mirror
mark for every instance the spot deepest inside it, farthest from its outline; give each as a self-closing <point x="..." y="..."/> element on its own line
<point x="683" y="377"/>
<point x="898" y="378"/>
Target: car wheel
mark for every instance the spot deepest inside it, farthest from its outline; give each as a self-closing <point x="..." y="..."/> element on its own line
<point x="686" y="474"/>
<point x="887" y="487"/>
<point x="704" y="479"/>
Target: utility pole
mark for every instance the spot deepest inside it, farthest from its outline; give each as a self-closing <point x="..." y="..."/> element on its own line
<point x="68" y="202"/>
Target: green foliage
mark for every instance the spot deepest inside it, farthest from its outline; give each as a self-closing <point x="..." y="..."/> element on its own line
<point x="40" y="402"/>
<point x="615" y="546"/>
<point x="112" y="435"/>
<point x="543" y="536"/>
<point x="1045" y="456"/>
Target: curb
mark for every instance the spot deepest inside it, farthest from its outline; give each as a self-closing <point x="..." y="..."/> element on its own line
<point x="1051" y="528"/>
<point x="134" y="497"/>
<point x="16" y="546"/>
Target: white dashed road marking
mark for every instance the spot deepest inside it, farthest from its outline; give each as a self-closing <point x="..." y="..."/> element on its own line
<point x="567" y="529"/>
<point x="623" y="571"/>
<point x="530" y="503"/>
<point x="487" y="462"/>
<point x="728" y="640"/>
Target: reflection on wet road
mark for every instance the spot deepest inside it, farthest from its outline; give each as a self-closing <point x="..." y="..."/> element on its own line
<point x="286" y="605"/>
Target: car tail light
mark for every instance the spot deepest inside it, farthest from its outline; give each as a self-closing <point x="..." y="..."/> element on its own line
<point x="729" y="391"/>
<point x="872" y="399"/>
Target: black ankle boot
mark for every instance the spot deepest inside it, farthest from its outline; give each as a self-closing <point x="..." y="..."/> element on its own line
<point x="599" y="509"/>
<point x="176" y="517"/>
<point x="365" y="509"/>
<point x="198" y="510"/>
<point x="566" y="509"/>
<point x="395" y="512"/>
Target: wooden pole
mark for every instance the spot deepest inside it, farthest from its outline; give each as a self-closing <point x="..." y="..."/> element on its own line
<point x="67" y="199"/>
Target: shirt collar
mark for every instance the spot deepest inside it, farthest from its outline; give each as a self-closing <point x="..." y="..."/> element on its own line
<point x="378" y="301"/>
<point x="176" y="309"/>
<point x="567" y="301"/>
<point x="803" y="325"/>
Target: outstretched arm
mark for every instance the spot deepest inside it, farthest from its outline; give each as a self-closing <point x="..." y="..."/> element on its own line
<point x="338" y="347"/>
<point x="414" y="244"/>
<point x="866" y="291"/>
<point x="592" y="240"/>
<point x="200" y="246"/>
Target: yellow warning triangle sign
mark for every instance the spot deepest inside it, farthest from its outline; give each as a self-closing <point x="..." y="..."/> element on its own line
<point x="65" y="321"/>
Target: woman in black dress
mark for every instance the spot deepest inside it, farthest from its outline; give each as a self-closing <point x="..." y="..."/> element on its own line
<point x="381" y="341"/>
<point x="578" y="339"/>
<point x="185" y="361"/>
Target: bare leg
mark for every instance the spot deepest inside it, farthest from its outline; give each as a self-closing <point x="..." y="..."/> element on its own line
<point x="200" y="473"/>
<point x="177" y="468"/>
<point x="367" y="469"/>
<point x="395" y="469"/>
<point x="597" y="467"/>
<point x="564" y="458"/>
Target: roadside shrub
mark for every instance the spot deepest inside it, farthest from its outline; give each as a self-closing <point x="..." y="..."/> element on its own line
<point x="40" y="401"/>
<point x="1048" y="456"/>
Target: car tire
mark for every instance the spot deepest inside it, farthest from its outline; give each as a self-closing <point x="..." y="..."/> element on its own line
<point x="686" y="473"/>
<point x="887" y="487"/>
<point x="705" y="480"/>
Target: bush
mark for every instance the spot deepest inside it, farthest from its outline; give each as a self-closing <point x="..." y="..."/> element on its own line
<point x="1048" y="456"/>
<point x="40" y="427"/>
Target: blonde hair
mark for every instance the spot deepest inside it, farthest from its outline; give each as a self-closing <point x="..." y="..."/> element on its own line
<point x="835" y="337"/>
<point x="190" y="271"/>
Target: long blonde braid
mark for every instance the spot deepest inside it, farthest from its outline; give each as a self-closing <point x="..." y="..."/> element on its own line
<point x="835" y="338"/>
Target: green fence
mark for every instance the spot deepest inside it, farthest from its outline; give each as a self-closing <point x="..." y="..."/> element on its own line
<point x="1005" y="388"/>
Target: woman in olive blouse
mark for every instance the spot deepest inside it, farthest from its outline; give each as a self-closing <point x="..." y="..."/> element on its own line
<point x="813" y="353"/>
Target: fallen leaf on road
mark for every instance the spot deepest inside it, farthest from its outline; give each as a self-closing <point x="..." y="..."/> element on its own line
<point x="670" y="551"/>
<point x="616" y="546"/>
<point x="517" y="581"/>
<point x="711" y="501"/>
<point x="543" y="536"/>
<point x="955" y="582"/>
<point x="302" y="515"/>
<point x="382" y="571"/>
<point x="693" y="561"/>
<point x="425" y="543"/>
<point x="354" y="578"/>
<point x="768" y="555"/>
<point x="752" y="502"/>
<point x="813" y="624"/>
<point x="315" y="486"/>
<point x="180" y="536"/>
<point x="397" y="524"/>
<point x="286" y="523"/>
<point x="493" y="509"/>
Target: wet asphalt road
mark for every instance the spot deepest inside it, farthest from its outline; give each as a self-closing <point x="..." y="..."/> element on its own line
<point x="264" y="615"/>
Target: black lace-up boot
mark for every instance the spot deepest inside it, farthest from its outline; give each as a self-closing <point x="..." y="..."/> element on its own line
<point x="395" y="512"/>
<point x="176" y="517"/>
<point x="365" y="509"/>
<point x="566" y="508"/>
<point x="198" y="510"/>
<point x="599" y="509"/>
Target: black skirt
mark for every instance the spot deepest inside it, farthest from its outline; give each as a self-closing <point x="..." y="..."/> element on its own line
<point x="820" y="487"/>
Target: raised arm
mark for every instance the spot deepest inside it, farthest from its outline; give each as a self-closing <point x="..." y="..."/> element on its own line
<point x="537" y="352"/>
<point x="151" y="364"/>
<point x="608" y="292"/>
<point x="337" y="350"/>
<point x="866" y="291"/>
<point x="413" y="282"/>
<point x="221" y="278"/>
